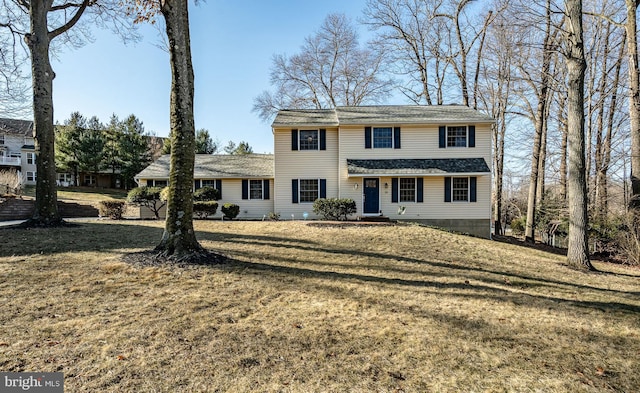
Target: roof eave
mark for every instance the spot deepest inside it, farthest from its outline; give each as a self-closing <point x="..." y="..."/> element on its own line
<point x="421" y="174"/>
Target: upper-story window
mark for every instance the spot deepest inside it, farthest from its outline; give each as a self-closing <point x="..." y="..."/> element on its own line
<point x="31" y="158"/>
<point x="382" y="137"/>
<point x="457" y="136"/>
<point x="1" y="139"/>
<point x="309" y="139"/>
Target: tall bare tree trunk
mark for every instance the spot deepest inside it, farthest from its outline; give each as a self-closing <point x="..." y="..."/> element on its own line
<point x="179" y="239"/>
<point x="634" y="104"/>
<point x="578" y="249"/>
<point x="540" y="120"/>
<point x="46" y="211"/>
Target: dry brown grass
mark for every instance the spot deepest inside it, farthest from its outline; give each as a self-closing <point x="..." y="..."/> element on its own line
<point x="313" y="307"/>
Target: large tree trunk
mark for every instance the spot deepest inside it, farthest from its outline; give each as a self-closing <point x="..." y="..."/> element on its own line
<point x="578" y="250"/>
<point x="540" y="120"/>
<point x="634" y="105"/>
<point x="179" y="239"/>
<point x="46" y="210"/>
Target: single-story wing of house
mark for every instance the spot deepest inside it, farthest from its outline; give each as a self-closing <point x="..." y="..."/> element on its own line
<point x="245" y="180"/>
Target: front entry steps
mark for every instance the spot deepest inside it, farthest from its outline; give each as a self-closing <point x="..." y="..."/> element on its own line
<point x="374" y="219"/>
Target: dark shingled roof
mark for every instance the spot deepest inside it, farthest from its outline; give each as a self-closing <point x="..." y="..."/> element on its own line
<point x="426" y="166"/>
<point x="382" y="114"/>
<point x="18" y="127"/>
<point x="217" y="166"/>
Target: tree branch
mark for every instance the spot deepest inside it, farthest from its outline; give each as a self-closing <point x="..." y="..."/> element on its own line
<point x="72" y="21"/>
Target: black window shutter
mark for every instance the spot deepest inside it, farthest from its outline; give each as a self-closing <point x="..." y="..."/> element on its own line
<point x="294" y="139"/>
<point x="420" y="189"/>
<point x="394" y="190"/>
<point x="473" y="187"/>
<point x="323" y="188"/>
<point x="472" y="136"/>
<point x="294" y="190"/>
<point x="245" y="189"/>
<point x="196" y="184"/>
<point x="265" y="189"/>
<point x="323" y="139"/>
<point x="367" y="137"/>
<point x="396" y="137"/>
<point x="447" y="189"/>
<point x="219" y="188"/>
<point x="442" y="137"/>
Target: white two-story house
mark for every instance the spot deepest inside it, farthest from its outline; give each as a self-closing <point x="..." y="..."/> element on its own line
<point x="17" y="148"/>
<point x="428" y="164"/>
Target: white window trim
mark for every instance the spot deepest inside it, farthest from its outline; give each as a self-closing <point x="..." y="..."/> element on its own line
<point x="415" y="189"/>
<point x="466" y="137"/>
<point x="373" y="139"/>
<point x="261" y="189"/>
<point x="31" y="157"/>
<point x="468" y="189"/>
<point x="300" y="191"/>
<point x="34" y="174"/>
<point x="317" y="131"/>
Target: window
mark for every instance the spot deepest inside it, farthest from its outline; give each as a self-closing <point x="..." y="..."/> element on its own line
<point x="309" y="140"/>
<point x="31" y="158"/>
<point x="382" y="138"/>
<point x="460" y="190"/>
<point x="457" y="136"/>
<point x="308" y="190"/>
<point x="160" y="183"/>
<point x="1" y="139"/>
<point x="64" y="177"/>
<point x="31" y="176"/>
<point x="407" y="189"/>
<point x="89" y="180"/>
<point x="255" y="189"/>
<point x="208" y="183"/>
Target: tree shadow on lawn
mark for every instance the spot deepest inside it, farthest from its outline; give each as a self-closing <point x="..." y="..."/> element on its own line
<point x="501" y="277"/>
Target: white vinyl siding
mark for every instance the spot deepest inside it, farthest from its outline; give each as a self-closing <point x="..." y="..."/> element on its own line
<point x="306" y="164"/>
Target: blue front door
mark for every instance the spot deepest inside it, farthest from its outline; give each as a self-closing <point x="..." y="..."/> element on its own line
<point x="371" y="196"/>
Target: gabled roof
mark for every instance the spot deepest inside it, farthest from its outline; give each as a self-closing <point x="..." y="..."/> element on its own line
<point x="216" y="166"/>
<point x="16" y="127"/>
<point x="381" y="114"/>
<point x="429" y="166"/>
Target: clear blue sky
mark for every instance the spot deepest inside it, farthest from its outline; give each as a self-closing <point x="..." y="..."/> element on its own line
<point x="232" y="46"/>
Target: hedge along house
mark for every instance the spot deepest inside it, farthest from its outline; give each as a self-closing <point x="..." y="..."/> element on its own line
<point x="246" y="180"/>
<point x="418" y="163"/>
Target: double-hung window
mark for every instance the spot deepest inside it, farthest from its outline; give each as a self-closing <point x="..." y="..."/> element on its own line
<point x="457" y="136"/>
<point x="407" y="189"/>
<point x="31" y="176"/>
<point x="382" y="137"/>
<point x="31" y="158"/>
<point x="1" y="139"/>
<point x="255" y="189"/>
<point x="309" y="190"/>
<point x="309" y="139"/>
<point x="460" y="189"/>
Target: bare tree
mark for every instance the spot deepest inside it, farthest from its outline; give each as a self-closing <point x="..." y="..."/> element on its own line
<point x="578" y="250"/>
<point x="40" y="22"/>
<point x="634" y="102"/>
<point x="330" y="70"/>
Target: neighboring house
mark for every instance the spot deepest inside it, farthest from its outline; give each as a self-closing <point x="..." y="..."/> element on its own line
<point x="17" y="148"/>
<point x="246" y="180"/>
<point x="428" y="164"/>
